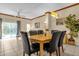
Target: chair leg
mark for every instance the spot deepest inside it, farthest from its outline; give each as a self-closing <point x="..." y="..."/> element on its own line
<point x="29" y="54"/>
<point x="56" y="52"/>
<point x="23" y="53"/>
<point x="62" y="48"/>
<point x="50" y="53"/>
<point x="59" y="50"/>
<point x="37" y="54"/>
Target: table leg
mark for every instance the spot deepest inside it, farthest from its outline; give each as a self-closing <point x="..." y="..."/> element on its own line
<point x="18" y="44"/>
<point x="41" y="49"/>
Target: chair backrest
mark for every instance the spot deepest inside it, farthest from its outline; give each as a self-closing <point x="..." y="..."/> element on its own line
<point x="25" y="40"/>
<point x="33" y="32"/>
<point x="55" y="39"/>
<point x="60" y="43"/>
<point x="40" y="32"/>
<point x="53" y="31"/>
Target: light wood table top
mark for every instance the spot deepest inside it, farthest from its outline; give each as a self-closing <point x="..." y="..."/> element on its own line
<point x="41" y="39"/>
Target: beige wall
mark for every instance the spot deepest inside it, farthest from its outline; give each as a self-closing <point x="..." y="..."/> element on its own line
<point x="71" y="10"/>
<point x="24" y="22"/>
<point x="42" y="23"/>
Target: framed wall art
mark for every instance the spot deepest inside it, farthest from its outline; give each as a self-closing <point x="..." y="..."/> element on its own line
<point x="37" y="25"/>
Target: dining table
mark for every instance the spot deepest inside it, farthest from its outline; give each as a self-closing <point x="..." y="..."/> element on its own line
<point x="41" y="39"/>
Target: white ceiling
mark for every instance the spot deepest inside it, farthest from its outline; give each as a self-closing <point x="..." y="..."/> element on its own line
<point x="30" y="10"/>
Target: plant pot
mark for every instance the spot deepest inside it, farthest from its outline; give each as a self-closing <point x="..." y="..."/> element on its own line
<point x="71" y="41"/>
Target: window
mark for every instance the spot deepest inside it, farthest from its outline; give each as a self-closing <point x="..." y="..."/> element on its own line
<point x="9" y="29"/>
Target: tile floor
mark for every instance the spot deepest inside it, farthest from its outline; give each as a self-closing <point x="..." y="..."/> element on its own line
<point x="14" y="48"/>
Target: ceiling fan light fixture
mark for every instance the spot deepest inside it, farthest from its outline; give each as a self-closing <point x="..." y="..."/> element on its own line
<point x="54" y="14"/>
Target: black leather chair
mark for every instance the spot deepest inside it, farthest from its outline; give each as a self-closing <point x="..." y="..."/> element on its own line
<point x="27" y="48"/>
<point x="60" y="43"/>
<point x="40" y="32"/>
<point x="53" y="31"/>
<point x="52" y="46"/>
<point x="33" y="32"/>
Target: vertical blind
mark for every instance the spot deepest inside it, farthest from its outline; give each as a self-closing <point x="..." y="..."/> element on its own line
<point x="3" y="30"/>
<point x="0" y="28"/>
<point x="18" y="28"/>
<point x="10" y="29"/>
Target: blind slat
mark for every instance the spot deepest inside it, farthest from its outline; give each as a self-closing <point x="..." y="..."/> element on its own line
<point x="0" y="28"/>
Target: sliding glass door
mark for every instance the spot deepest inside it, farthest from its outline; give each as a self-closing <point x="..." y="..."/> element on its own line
<point x="9" y="29"/>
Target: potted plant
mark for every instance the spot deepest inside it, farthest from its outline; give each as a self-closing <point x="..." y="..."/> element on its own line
<point x="73" y="24"/>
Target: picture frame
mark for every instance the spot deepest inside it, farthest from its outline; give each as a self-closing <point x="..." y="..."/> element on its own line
<point x="37" y="25"/>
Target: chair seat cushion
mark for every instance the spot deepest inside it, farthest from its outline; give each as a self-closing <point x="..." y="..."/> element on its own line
<point x="46" y="45"/>
<point x="35" y="46"/>
<point x="48" y="48"/>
